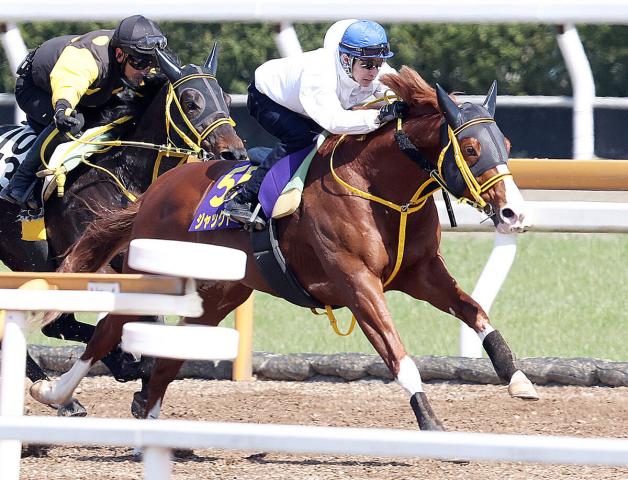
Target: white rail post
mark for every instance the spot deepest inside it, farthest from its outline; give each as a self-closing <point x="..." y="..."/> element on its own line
<point x="488" y="286"/>
<point x="15" y="50"/>
<point x="583" y="91"/>
<point x="287" y="40"/>
<point x="157" y="463"/>
<point x="12" y="389"/>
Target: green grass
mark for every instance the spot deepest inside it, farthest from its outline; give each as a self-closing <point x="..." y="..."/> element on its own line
<point x="566" y="296"/>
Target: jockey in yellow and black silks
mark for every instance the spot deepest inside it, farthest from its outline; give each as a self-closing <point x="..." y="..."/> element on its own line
<point x="69" y="73"/>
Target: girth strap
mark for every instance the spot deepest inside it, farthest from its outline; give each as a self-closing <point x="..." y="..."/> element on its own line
<point x="273" y="268"/>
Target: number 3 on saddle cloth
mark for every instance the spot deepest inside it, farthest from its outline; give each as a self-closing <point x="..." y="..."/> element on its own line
<point x="279" y="195"/>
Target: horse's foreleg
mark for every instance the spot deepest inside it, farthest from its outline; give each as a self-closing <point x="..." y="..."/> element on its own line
<point x="106" y="336"/>
<point x="370" y="309"/>
<point x="436" y="286"/>
<point x="164" y="372"/>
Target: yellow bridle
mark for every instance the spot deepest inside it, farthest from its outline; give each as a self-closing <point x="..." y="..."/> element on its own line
<point x="171" y="97"/>
<point x="475" y="189"/>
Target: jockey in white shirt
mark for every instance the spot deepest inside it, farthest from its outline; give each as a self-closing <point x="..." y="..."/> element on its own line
<point x="295" y="98"/>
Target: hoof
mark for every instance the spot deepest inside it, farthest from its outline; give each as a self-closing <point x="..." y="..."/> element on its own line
<point x="183" y="453"/>
<point x="432" y="425"/>
<point x="34" y="450"/>
<point x="521" y="387"/>
<point x="73" y="408"/>
<point x="41" y="391"/>
<point x="138" y="405"/>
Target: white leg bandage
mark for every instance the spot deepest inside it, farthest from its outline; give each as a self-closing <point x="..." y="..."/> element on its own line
<point x="154" y="412"/>
<point x="489" y="328"/>
<point x="409" y="377"/>
<point x="60" y="391"/>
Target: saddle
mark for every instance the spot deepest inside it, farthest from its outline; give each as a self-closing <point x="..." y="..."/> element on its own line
<point x="70" y="155"/>
<point x="279" y="196"/>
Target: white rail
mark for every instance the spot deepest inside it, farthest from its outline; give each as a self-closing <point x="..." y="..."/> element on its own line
<point x="319" y="440"/>
<point x="399" y="11"/>
<point x="158" y="437"/>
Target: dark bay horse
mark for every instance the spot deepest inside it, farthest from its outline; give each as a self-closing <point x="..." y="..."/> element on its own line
<point x="366" y="225"/>
<point x="189" y="111"/>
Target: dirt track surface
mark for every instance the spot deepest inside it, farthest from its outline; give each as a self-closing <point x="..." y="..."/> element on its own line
<point x="573" y="411"/>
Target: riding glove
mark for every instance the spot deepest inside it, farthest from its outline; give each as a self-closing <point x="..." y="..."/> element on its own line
<point x="390" y="111"/>
<point x="67" y="119"/>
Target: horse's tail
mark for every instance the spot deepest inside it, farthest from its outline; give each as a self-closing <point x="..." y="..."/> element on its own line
<point x="107" y="235"/>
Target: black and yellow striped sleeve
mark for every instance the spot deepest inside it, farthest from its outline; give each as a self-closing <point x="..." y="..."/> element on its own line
<point x="75" y="70"/>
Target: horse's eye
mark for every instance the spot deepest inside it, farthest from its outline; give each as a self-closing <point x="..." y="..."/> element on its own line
<point x="469" y="150"/>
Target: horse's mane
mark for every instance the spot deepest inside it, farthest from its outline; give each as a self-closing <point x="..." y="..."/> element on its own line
<point x="130" y="102"/>
<point x="415" y="91"/>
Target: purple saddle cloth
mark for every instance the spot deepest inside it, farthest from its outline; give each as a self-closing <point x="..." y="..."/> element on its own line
<point x="209" y="213"/>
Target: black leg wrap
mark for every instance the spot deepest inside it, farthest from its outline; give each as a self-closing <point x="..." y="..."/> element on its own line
<point x="33" y="371"/>
<point x="67" y="327"/>
<point x="424" y="413"/>
<point x="500" y="354"/>
<point x="122" y="365"/>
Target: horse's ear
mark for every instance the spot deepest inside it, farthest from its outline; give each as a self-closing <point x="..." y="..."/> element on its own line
<point x="168" y="66"/>
<point x="212" y="61"/>
<point x="491" y="99"/>
<point x="448" y="107"/>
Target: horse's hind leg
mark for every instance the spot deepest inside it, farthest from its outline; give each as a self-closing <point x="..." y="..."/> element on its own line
<point x="72" y="408"/>
<point x="217" y="303"/>
<point x="435" y="285"/>
<point x="106" y="336"/>
<point x="122" y="366"/>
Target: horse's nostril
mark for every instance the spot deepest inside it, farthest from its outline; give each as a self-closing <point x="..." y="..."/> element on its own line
<point x="507" y="213"/>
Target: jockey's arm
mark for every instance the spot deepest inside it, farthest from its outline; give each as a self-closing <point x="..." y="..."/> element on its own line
<point x="75" y="70"/>
<point x="321" y="104"/>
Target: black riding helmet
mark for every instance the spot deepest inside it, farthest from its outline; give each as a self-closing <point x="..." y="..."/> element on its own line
<point x="139" y="37"/>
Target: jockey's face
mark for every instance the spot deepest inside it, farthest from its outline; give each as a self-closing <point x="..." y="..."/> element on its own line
<point x="365" y="70"/>
<point x="134" y="69"/>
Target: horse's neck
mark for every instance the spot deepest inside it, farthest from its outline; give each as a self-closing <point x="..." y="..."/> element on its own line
<point x="137" y="163"/>
<point x="387" y="170"/>
<point x="152" y="124"/>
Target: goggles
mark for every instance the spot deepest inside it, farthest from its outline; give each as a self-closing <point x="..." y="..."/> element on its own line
<point x="149" y="43"/>
<point x="375" y="51"/>
<point x="140" y="63"/>
<point x="371" y="63"/>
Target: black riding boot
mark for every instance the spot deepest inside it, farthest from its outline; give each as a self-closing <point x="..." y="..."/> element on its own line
<point x="24" y="180"/>
<point x="243" y="207"/>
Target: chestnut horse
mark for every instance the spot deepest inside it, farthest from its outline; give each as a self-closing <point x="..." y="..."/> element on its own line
<point x="363" y="200"/>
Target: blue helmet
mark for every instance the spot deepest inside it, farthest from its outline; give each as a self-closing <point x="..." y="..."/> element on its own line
<point x="365" y="39"/>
